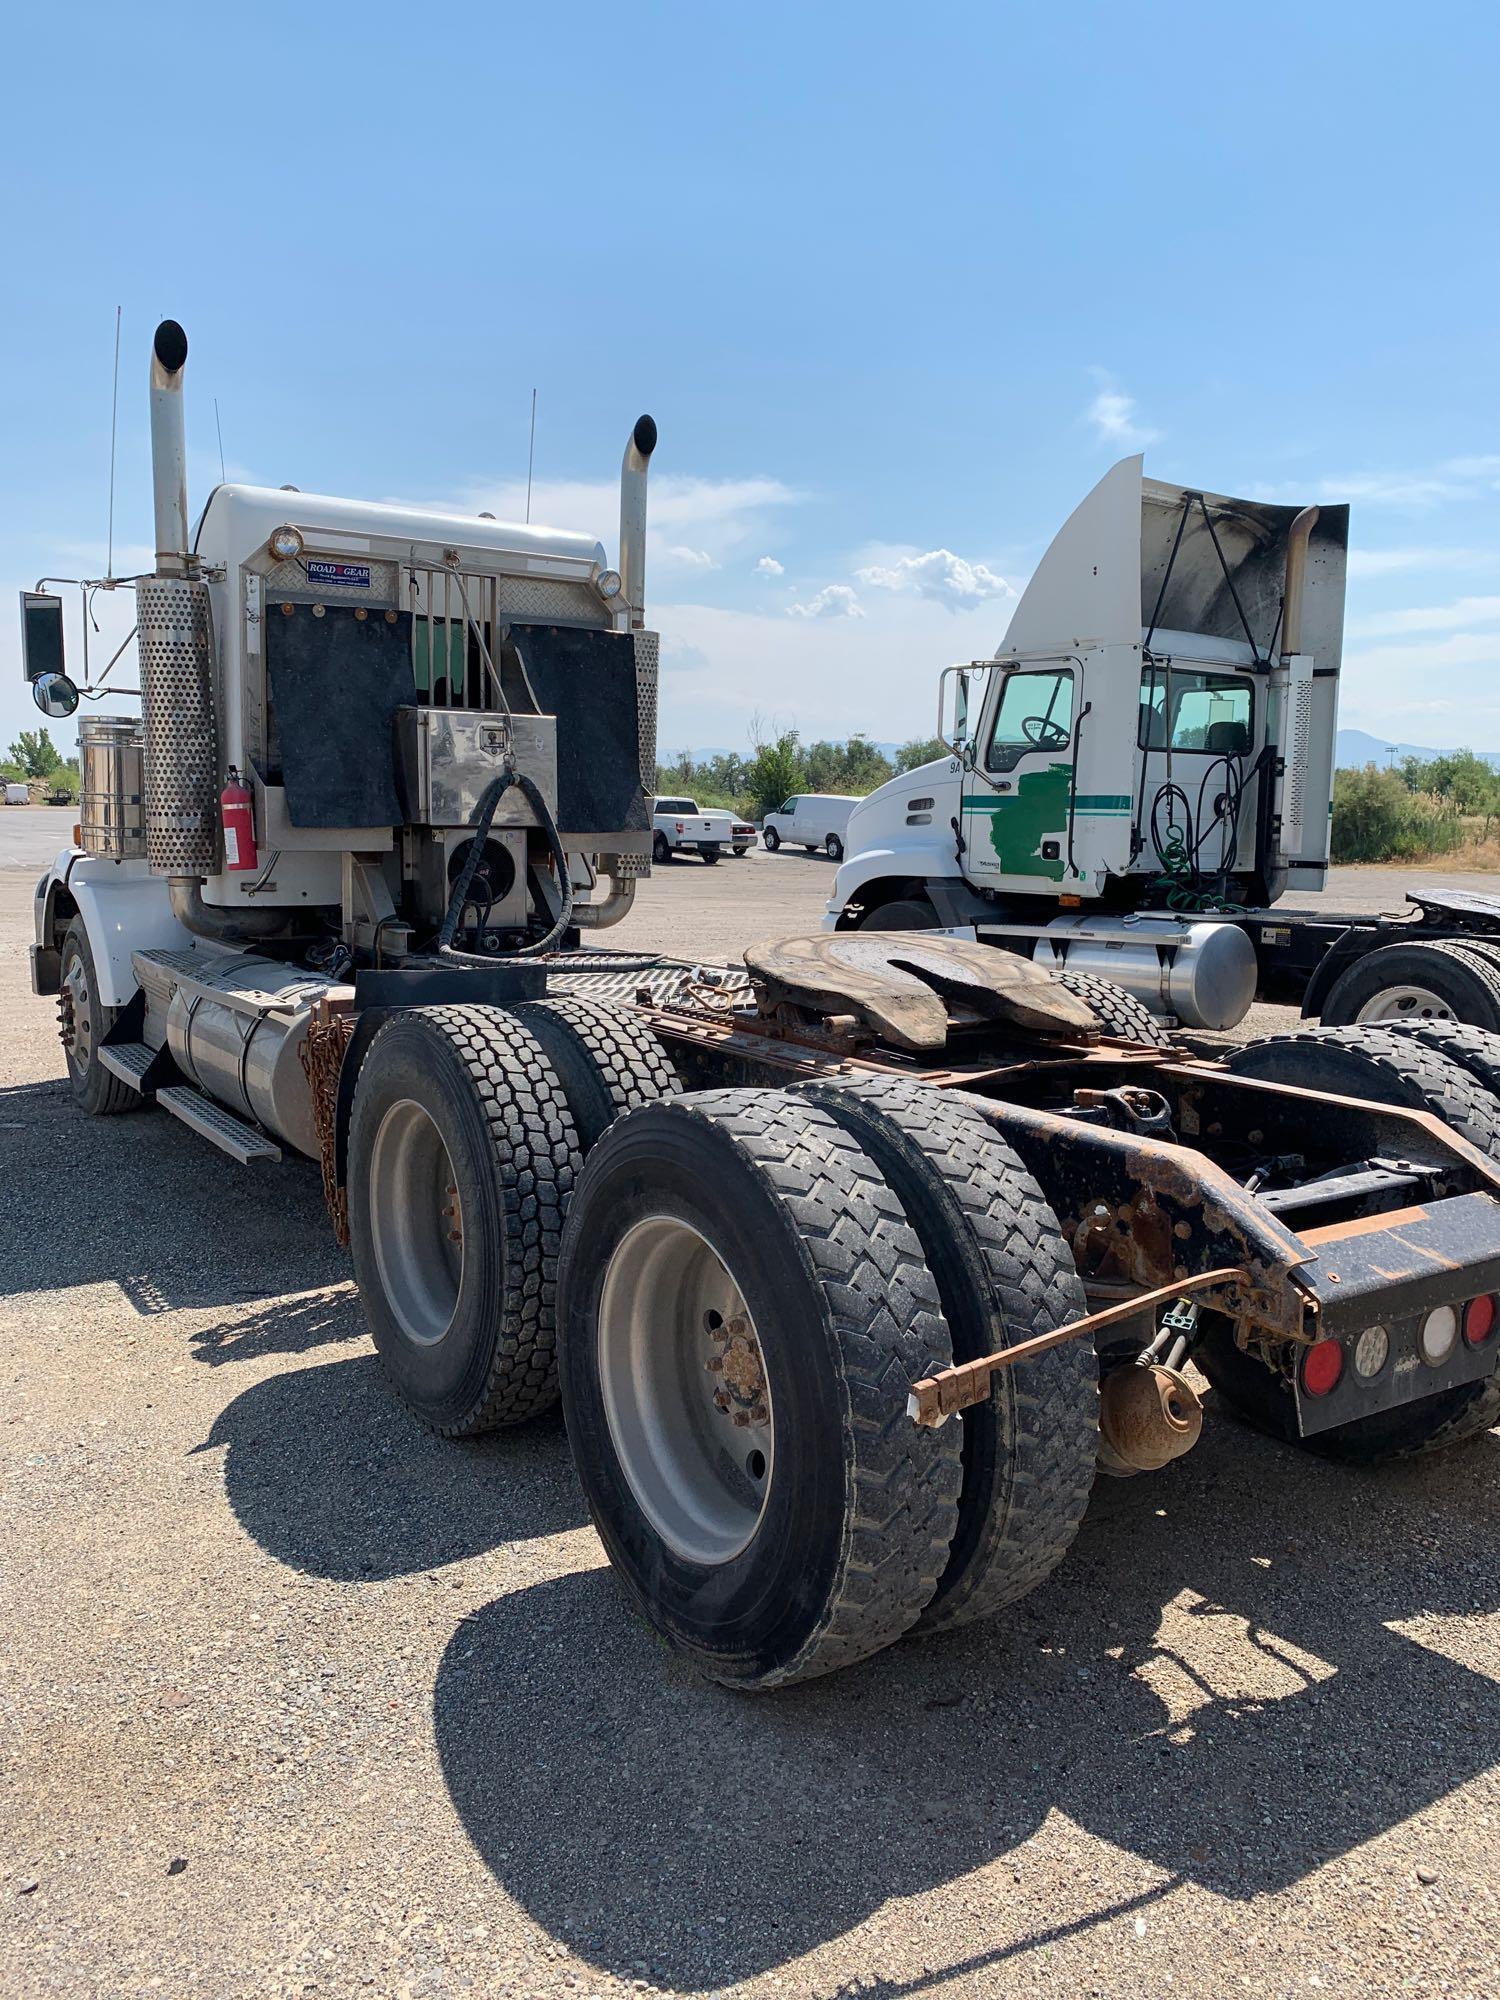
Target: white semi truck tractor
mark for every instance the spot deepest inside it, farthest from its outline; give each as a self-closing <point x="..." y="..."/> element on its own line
<point x="1145" y="768"/>
<point x="852" y="1266"/>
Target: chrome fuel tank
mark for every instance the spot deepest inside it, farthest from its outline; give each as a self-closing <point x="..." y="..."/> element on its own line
<point x="1201" y="969"/>
<point x="235" y="1025"/>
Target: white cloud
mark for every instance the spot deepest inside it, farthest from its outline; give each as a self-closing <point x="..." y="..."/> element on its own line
<point x="941" y="575"/>
<point x="1457" y="616"/>
<point x="768" y="566"/>
<point x="835" y="600"/>
<point x="825" y="676"/>
<point x="698" y="523"/>
<point x="1467" y="478"/>
<point x="1394" y="562"/>
<point x="1113" y="415"/>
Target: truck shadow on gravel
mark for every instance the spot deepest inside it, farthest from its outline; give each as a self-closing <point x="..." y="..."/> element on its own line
<point x="1211" y="1683"/>
<point x="148" y="1206"/>
<point x="331" y="1476"/>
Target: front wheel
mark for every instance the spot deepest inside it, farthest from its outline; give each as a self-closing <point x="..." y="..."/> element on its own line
<point x="907" y="913"/>
<point x="835" y="847"/>
<point x="85" y="1022"/>
<point x="772" y="839"/>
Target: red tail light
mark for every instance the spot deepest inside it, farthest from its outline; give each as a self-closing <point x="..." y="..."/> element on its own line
<point x="1479" y="1320"/>
<point x="1321" y="1368"/>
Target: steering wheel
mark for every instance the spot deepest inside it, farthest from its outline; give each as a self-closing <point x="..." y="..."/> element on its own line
<point x="1042" y="733"/>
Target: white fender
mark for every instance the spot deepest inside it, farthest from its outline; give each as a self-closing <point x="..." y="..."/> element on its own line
<point x="123" y="909"/>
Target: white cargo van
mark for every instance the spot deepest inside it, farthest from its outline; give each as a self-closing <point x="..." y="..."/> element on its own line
<point x="811" y="820"/>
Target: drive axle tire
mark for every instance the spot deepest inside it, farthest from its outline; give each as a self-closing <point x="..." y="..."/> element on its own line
<point x="1473" y="1049"/>
<point x="744" y="1308"/>
<point x="771" y="839"/>
<point x="1004" y="1274"/>
<point x="1381" y="1065"/>
<point x="100" y="1092"/>
<point x="1120" y="1014"/>
<point x="710" y="855"/>
<point x="606" y="1061"/>
<point x="462" y="1156"/>
<point x="1435" y="979"/>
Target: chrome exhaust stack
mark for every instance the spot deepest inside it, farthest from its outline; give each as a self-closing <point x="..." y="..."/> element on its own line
<point x="633" y="518"/>
<point x="175" y="631"/>
<point x="169" y="349"/>
<point x="1297" y="538"/>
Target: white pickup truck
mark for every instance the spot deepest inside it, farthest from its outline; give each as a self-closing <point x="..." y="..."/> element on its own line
<point x="678" y="824"/>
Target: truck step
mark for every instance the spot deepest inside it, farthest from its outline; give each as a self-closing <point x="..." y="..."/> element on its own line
<point x="129" y="1061"/>
<point x="221" y="1128"/>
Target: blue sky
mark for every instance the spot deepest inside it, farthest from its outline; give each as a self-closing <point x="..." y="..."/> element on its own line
<point x="897" y="283"/>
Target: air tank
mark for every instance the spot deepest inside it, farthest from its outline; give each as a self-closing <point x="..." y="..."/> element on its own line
<point x="1201" y="969"/>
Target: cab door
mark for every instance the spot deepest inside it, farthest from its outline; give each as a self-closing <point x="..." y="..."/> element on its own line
<point x="1018" y="793"/>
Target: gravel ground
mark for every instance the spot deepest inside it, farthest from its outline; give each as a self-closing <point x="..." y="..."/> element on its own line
<point x="298" y="1700"/>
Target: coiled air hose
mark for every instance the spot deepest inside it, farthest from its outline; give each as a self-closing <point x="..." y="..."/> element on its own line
<point x="484" y="814"/>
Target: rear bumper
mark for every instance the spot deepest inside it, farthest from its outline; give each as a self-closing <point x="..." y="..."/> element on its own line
<point x="1392" y="1271"/>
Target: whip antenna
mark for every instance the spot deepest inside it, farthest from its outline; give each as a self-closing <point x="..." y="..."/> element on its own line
<point x="220" y="429"/>
<point x="114" y="412"/>
<point x="531" y="457"/>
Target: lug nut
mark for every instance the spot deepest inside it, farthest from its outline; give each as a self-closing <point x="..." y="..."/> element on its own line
<point x="721" y="1399"/>
<point x="715" y="1364"/>
<point x="741" y="1419"/>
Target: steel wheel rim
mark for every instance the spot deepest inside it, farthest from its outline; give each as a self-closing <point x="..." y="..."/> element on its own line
<point x="1404" y="1003"/>
<point x="416" y="1222"/>
<point x="679" y="1363"/>
<point x="80" y="1046"/>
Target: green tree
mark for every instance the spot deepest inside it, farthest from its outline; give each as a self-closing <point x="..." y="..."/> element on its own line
<point x="777" y="770"/>
<point x="36" y="754"/>
<point x="1472" y="784"/>
<point x="910" y="755"/>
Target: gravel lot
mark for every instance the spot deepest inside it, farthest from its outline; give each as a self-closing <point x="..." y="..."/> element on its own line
<point x="298" y="1700"/>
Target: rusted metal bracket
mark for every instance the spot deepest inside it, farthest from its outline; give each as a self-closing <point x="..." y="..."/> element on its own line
<point x="937" y="1397"/>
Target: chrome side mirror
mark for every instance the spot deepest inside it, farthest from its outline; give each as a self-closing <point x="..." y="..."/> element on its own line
<point x="55" y="695"/>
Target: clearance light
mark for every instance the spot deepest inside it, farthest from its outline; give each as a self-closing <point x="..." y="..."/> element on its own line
<point x="1371" y="1352"/>
<point x="1322" y="1367"/>
<point x="1479" y="1320"/>
<point x="607" y="583"/>
<point x="1438" y="1336"/>
<point x="286" y="543"/>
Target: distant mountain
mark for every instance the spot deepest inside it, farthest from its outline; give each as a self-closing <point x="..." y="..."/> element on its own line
<point x="1355" y="747"/>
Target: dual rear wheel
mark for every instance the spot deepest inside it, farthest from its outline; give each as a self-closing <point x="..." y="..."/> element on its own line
<point x="733" y="1293"/>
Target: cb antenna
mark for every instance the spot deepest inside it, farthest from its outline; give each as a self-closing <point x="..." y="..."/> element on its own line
<point x="223" y="475"/>
<point x="530" y="457"/>
<point x="114" y="412"/>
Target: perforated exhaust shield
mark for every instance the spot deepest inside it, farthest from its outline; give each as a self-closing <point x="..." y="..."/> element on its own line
<point x="647" y="656"/>
<point x="182" y="766"/>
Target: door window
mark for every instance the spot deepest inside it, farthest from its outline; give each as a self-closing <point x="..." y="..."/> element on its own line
<point x="1035" y="712"/>
<point x="1210" y="712"/>
<point x="790" y="806"/>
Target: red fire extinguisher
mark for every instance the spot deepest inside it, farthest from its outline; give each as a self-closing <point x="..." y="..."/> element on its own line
<point x="236" y="808"/>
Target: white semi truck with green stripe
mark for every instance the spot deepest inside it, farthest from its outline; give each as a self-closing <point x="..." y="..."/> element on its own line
<point x="1145" y="768"/>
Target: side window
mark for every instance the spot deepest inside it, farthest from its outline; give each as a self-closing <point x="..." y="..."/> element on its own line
<point x="1209" y="712"/>
<point x="790" y="806"/>
<point x="1035" y="712"/>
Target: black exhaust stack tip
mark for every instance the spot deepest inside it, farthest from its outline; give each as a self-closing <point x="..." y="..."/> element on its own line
<point x="170" y="346"/>
<point x="643" y="436"/>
